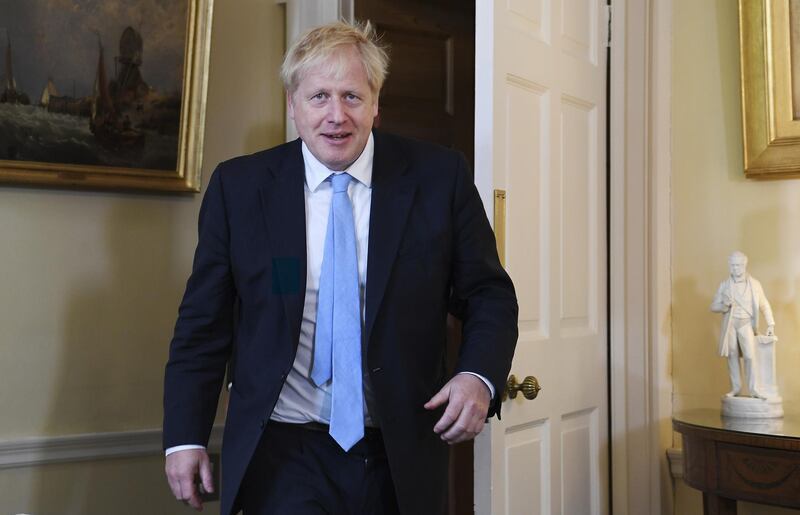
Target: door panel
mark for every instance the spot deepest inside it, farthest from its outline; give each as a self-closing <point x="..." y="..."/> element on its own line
<point x="579" y="479"/>
<point x="579" y="29"/>
<point x="579" y="232"/>
<point x="526" y="112"/>
<point x="527" y="457"/>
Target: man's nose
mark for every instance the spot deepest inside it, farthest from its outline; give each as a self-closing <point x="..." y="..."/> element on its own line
<point x="336" y="111"/>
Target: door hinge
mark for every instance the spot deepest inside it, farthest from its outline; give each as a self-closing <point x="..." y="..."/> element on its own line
<point x="608" y="11"/>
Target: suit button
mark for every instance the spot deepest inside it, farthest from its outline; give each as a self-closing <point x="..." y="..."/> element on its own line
<point x="263" y="424"/>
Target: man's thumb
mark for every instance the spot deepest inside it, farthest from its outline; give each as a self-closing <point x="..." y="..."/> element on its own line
<point x="438" y="399"/>
<point x="207" y="476"/>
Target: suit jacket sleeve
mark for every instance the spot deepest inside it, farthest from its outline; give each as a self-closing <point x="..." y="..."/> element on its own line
<point x="201" y="343"/>
<point x="482" y="290"/>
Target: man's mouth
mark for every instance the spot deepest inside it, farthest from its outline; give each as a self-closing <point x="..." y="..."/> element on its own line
<point x="337" y="137"/>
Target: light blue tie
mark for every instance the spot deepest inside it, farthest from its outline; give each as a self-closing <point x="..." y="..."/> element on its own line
<point x="337" y="343"/>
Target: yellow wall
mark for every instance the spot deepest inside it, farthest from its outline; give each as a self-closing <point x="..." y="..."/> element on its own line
<point x="90" y="284"/>
<point x="715" y="210"/>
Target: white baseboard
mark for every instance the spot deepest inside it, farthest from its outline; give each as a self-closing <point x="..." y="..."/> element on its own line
<point x="26" y="452"/>
<point x="675" y="459"/>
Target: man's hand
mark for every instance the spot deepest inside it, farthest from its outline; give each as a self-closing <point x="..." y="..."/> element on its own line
<point x="181" y="468"/>
<point x="467" y="399"/>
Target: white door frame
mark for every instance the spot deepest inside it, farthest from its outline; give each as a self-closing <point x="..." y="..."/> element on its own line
<point x="640" y="243"/>
<point x="640" y="249"/>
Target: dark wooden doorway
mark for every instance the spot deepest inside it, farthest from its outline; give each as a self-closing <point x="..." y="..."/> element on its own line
<point x="430" y="91"/>
<point x="430" y="95"/>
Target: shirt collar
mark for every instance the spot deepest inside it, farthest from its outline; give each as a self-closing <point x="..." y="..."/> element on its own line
<point x="361" y="169"/>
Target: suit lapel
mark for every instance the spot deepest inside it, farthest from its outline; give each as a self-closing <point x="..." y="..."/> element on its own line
<point x="283" y="207"/>
<point x="392" y="195"/>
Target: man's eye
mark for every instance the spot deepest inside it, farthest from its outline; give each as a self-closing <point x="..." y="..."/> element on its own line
<point x="351" y="97"/>
<point x="319" y="96"/>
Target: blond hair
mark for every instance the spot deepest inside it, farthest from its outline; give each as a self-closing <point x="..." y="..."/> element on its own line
<point x="324" y="44"/>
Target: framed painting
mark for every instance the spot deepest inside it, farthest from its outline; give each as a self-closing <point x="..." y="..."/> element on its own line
<point x="769" y="38"/>
<point x="103" y="94"/>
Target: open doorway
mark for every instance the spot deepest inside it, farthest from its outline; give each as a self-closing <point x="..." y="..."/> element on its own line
<point x="430" y="95"/>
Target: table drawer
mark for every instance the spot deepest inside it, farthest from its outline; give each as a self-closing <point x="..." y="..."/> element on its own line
<point x="760" y="475"/>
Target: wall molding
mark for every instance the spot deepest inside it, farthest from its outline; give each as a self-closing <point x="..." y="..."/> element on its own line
<point x="675" y="458"/>
<point x="28" y="452"/>
<point x="640" y="253"/>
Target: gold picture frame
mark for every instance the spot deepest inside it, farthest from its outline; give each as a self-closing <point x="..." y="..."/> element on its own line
<point x="182" y="111"/>
<point x="770" y="80"/>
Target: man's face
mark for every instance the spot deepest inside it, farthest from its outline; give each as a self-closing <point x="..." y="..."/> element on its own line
<point x="333" y="115"/>
<point x="738" y="268"/>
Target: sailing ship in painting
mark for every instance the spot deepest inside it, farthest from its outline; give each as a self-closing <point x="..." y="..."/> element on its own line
<point x="108" y="122"/>
<point x="53" y="102"/>
<point x="10" y="93"/>
<point x="122" y="113"/>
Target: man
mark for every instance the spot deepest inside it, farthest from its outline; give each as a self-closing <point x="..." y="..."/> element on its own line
<point x="342" y="252"/>
<point x="741" y="298"/>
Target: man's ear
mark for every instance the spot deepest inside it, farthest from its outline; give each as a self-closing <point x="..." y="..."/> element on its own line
<point x="289" y="105"/>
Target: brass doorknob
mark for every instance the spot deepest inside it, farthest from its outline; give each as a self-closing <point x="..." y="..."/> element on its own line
<point x="529" y="387"/>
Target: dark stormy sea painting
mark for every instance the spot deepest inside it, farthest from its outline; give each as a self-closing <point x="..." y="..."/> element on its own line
<point x="92" y="82"/>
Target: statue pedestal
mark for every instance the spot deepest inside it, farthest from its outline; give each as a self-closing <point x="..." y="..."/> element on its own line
<point x="751" y="407"/>
<point x="765" y="365"/>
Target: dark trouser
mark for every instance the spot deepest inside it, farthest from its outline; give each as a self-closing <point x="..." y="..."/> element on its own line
<point x="301" y="470"/>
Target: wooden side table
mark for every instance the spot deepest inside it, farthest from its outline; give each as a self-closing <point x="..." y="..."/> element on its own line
<point x="740" y="459"/>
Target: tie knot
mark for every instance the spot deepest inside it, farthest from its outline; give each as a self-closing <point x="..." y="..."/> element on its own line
<point x="340" y="182"/>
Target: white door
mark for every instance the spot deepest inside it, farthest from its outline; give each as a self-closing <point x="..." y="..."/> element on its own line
<point x="540" y="136"/>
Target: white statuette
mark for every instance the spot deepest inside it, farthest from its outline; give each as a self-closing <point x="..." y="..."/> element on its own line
<point x="741" y="300"/>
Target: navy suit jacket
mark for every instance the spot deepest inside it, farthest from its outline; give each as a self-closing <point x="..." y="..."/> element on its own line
<point x="430" y="247"/>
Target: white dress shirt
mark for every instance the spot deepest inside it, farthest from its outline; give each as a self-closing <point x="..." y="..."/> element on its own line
<point x="300" y="399"/>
